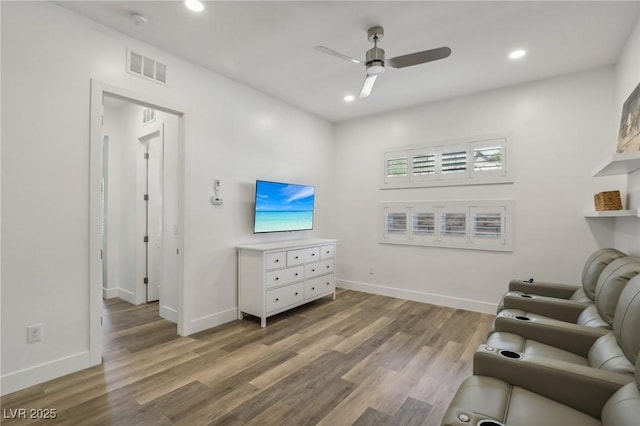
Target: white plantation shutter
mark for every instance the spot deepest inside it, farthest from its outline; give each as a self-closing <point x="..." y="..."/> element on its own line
<point x="479" y="225"/>
<point x="395" y="224"/>
<point x="423" y="164"/>
<point x="453" y="224"/>
<point x="488" y="158"/>
<point x="396" y="165"/>
<point x="488" y="225"/>
<point x="424" y="224"/>
<point x="474" y="162"/>
<point x="454" y="161"/>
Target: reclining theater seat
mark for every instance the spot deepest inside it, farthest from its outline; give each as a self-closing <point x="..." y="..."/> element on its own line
<point x="593" y="267"/>
<point x="587" y="398"/>
<point x="608" y="288"/>
<point x="616" y="351"/>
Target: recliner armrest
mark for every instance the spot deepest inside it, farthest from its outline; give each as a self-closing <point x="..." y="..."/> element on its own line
<point x="583" y="388"/>
<point x="574" y="338"/>
<point x="560" y="309"/>
<point x="542" y="288"/>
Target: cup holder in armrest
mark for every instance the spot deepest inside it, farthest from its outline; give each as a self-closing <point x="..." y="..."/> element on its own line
<point x="528" y="296"/>
<point x="487" y="422"/>
<point x="522" y="318"/>
<point x="510" y="354"/>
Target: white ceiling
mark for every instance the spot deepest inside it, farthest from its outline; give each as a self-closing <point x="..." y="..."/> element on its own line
<point x="268" y="45"/>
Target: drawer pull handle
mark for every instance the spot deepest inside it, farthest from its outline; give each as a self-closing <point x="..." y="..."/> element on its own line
<point x="295" y="275"/>
<point x="296" y="293"/>
<point x="277" y="260"/>
<point x="328" y="283"/>
<point x="277" y="278"/>
<point x="313" y="254"/>
<point x="313" y="288"/>
<point x="297" y="257"/>
<point x="277" y="300"/>
<point x="328" y="266"/>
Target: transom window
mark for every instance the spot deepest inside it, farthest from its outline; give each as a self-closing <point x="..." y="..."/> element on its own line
<point x="474" y="161"/>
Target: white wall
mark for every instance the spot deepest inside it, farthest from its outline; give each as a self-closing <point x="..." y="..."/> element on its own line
<point x="231" y="132"/>
<point x="627" y="230"/>
<point x="561" y="131"/>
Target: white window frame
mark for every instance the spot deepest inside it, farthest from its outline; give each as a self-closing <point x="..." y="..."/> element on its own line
<point x="469" y="176"/>
<point x="502" y="242"/>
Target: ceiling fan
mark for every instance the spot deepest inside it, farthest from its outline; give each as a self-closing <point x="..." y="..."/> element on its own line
<point x="375" y="61"/>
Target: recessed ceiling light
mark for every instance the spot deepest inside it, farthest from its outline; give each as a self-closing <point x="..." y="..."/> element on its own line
<point x="349" y="98"/>
<point x="195" y="5"/>
<point x="517" y="54"/>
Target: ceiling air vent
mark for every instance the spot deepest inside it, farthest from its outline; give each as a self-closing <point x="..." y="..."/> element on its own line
<point x="146" y="67"/>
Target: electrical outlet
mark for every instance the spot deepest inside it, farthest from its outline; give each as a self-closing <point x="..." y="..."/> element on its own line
<point x="34" y="333"/>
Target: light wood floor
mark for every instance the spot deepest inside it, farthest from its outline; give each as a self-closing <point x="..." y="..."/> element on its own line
<point x="361" y="359"/>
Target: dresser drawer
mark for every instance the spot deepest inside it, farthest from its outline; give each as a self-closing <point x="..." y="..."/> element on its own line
<point x="318" y="268"/>
<point x="312" y="254"/>
<point x="295" y="257"/>
<point x="326" y="252"/>
<point x="318" y="286"/>
<point x="282" y="297"/>
<point x="284" y="276"/>
<point x="275" y="260"/>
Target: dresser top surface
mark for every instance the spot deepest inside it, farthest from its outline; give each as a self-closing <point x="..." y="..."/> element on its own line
<point x="282" y="245"/>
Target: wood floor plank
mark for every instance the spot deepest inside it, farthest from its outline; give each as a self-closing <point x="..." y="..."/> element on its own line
<point x="362" y="359"/>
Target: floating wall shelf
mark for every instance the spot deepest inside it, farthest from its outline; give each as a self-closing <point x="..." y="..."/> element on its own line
<point x="620" y="164"/>
<point x="612" y="213"/>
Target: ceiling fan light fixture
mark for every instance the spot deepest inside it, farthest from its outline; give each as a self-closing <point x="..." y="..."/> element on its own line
<point x="194" y="5"/>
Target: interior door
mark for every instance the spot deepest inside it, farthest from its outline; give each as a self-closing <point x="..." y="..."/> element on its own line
<point x="155" y="149"/>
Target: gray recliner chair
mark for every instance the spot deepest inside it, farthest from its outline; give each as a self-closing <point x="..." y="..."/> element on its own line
<point x="593" y="267"/>
<point x="543" y="393"/>
<point x="609" y="285"/>
<point x="616" y="350"/>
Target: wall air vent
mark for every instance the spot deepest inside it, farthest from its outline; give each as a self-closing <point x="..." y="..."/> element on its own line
<point x="146" y="67"/>
<point x="148" y="116"/>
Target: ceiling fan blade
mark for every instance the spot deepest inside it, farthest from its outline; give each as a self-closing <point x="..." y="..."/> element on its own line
<point x="368" y="85"/>
<point x="419" y="57"/>
<point x="337" y="54"/>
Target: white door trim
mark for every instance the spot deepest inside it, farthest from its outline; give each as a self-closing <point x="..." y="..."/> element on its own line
<point x="98" y="90"/>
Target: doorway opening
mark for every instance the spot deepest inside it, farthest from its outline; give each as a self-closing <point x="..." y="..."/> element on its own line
<point x="137" y="161"/>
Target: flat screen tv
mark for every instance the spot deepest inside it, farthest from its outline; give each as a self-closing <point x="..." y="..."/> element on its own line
<point x="283" y="207"/>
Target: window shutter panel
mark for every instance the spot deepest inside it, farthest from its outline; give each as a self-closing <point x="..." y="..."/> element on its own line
<point x="396" y="166"/>
<point x="453" y="224"/>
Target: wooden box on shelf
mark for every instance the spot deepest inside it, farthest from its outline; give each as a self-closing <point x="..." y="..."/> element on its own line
<point x="608" y="200"/>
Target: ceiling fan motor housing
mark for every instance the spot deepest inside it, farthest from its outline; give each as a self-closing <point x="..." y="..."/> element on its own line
<point x="375" y="55"/>
<point x="375" y="61"/>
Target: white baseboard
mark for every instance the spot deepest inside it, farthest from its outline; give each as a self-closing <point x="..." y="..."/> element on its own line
<point x="127" y="295"/>
<point x="109" y="293"/>
<point x="37" y="374"/>
<point x="418" y="296"/>
<point x="208" y="321"/>
<point x="169" y="313"/>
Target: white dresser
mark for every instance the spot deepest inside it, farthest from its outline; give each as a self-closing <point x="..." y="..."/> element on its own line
<point x="275" y="277"/>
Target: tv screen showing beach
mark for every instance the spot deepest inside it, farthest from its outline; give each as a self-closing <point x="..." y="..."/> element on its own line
<point x="283" y="207"/>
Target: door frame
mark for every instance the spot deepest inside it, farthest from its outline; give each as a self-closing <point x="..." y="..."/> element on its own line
<point x="98" y="91"/>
